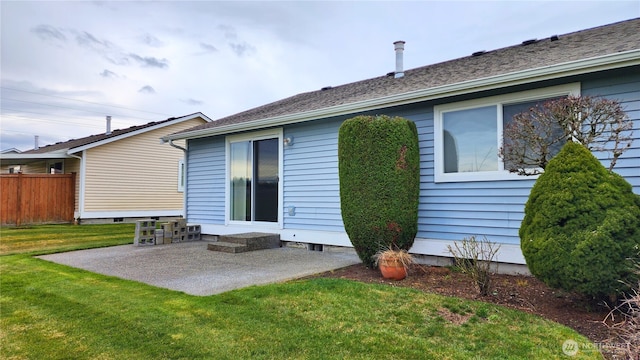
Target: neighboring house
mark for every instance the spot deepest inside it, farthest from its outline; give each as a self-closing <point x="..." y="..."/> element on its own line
<point x="10" y="169"/>
<point x="121" y="174"/>
<point x="274" y="168"/>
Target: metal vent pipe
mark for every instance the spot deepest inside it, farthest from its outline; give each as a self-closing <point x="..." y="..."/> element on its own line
<point x="399" y="48"/>
<point x="108" y="125"/>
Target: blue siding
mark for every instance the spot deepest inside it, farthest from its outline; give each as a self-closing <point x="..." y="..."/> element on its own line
<point x="452" y="211"/>
<point x="625" y="90"/>
<point x="447" y="211"/>
<point x="206" y="180"/>
<point x="311" y="177"/>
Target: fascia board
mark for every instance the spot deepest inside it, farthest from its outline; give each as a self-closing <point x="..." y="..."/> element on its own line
<point x="137" y="132"/>
<point x="600" y="63"/>
<point x="49" y="155"/>
<point x="23" y="159"/>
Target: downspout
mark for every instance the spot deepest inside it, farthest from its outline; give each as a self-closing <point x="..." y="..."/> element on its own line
<point x="184" y="190"/>
<point x="78" y="215"/>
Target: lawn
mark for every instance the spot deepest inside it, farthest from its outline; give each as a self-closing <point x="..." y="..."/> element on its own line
<point x="38" y="240"/>
<point x="56" y="312"/>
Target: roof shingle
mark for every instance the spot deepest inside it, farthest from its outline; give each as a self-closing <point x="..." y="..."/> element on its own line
<point x="74" y="143"/>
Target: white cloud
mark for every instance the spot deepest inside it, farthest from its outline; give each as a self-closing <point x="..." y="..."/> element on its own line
<point x="145" y="61"/>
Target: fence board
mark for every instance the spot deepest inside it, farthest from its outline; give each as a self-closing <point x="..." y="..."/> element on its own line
<point x="37" y="198"/>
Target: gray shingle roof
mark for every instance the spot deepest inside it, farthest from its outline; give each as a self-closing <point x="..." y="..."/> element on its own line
<point x="74" y="143"/>
<point x="604" y="40"/>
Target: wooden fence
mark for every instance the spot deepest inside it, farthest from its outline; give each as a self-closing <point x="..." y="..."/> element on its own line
<point x="37" y="198"/>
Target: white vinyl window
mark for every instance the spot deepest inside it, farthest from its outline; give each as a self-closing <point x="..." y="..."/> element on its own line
<point x="181" y="175"/>
<point x="468" y="134"/>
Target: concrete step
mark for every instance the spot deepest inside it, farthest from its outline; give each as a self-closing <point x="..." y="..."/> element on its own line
<point x="236" y="243"/>
<point x="227" y="247"/>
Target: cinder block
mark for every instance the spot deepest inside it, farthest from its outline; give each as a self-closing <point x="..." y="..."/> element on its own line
<point x="144" y="241"/>
<point x="193" y="237"/>
<point x="167" y="228"/>
<point x="179" y="238"/>
<point x="159" y="237"/>
<point x="145" y="232"/>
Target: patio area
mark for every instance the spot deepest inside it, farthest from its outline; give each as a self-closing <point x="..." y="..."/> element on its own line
<point x="189" y="267"/>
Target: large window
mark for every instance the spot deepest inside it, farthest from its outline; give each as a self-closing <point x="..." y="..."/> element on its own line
<point x="468" y="134"/>
<point x="254" y="175"/>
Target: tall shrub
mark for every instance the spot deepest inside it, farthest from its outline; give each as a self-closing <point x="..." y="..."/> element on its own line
<point x="379" y="169"/>
<point x="581" y="226"/>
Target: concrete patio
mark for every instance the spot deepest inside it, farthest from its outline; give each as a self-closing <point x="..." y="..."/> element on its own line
<point x="189" y="267"/>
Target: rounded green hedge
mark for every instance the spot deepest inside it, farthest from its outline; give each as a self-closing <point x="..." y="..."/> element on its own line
<point x="581" y="230"/>
<point x="379" y="168"/>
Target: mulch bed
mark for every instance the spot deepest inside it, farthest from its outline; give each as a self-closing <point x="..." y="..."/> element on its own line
<point x="520" y="292"/>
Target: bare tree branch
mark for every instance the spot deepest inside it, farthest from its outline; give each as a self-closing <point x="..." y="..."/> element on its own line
<point x="536" y="135"/>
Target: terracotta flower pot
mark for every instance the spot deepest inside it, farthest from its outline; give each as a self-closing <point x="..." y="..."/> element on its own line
<point x="392" y="269"/>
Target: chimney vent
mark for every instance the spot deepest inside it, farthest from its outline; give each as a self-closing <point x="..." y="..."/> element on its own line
<point x="36" y="146"/>
<point x="399" y="48"/>
<point x="108" y="125"/>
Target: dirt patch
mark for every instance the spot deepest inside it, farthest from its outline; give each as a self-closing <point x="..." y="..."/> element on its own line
<point x="520" y="292"/>
<point x="455" y="319"/>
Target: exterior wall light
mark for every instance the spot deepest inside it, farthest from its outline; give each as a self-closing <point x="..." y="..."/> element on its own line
<point x="288" y="141"/>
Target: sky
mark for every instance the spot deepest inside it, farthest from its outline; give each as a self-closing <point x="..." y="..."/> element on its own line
<point x="66" y="65"/>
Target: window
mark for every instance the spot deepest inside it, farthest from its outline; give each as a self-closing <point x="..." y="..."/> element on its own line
<point x="55" y="168"/>
<point x="468" y="134"/>
<point x="470" y="139"/>
<point x="181" y="175"/>
<point x="253" y="168"/>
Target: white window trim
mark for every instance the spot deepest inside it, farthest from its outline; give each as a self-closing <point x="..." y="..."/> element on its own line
<point x="181" y="175"/>
<point x="256" y="135"/>
<point x="500" y="100"/>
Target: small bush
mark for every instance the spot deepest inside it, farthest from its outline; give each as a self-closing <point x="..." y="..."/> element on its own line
<point x="379" y="170"/>
<point x="581" y="225"/>
<point x="474" y="257"/>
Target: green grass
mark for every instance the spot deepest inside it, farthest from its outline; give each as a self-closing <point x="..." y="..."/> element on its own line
<point x="37" y="240"/>
<point x="51" y="311"/>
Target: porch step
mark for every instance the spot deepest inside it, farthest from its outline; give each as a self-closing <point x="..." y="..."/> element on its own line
<point x="227" y="247"/>
<point x="239" y="243"/>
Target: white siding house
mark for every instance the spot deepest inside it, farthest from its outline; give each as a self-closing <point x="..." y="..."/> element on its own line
<point x="122" y="174"/>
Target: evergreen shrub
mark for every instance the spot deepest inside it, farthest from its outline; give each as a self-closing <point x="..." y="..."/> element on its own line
<point x="379" y="170"/>
<point x="581" y="229"/>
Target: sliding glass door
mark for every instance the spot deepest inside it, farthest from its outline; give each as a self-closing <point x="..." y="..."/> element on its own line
<point x="254" y="176"/>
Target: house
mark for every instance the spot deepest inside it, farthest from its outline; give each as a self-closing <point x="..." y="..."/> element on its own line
<point x="121" y="174"/>
<point x="274" y="168"/>
<point x="13" y="168"/>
